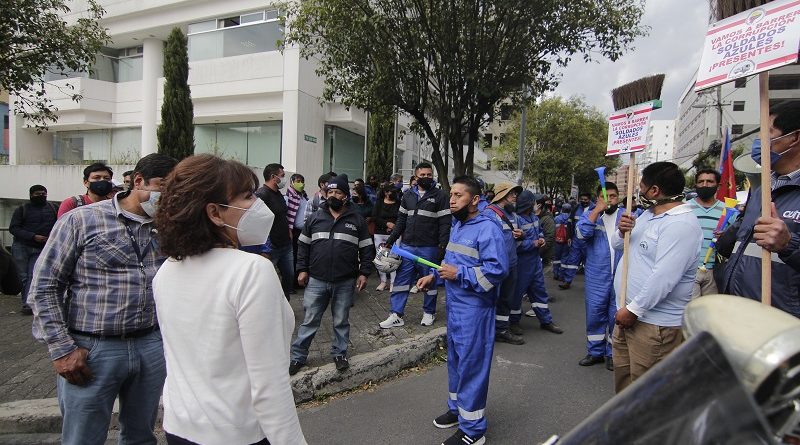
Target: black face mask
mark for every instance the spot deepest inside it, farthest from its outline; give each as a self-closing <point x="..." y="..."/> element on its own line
<point x="705" y="193"/>
<point x="611" y="209"/>
<point x="335" y="204"/>
<point x="38" y="200"/>
<point x="101" y="188"/>
<point x="425" y="183"/>
<point x="584" y="204"/>
<point x="461" y="214"/>
<point x="510" y="208"/>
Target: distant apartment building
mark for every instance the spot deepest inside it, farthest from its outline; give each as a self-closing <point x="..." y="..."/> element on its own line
<point x="660" y="144"/>
<point x="698" y="114"/>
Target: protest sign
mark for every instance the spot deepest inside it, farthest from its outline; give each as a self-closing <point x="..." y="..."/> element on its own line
<point x="628" y="128"/>
<point x="750" y="42"/>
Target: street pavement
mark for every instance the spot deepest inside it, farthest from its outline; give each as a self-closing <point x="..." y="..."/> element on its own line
<point x="536" y="390"/>
<point x="27" y="373"/>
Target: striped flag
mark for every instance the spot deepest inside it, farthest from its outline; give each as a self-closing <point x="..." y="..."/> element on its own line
<point x="727" y="185"/>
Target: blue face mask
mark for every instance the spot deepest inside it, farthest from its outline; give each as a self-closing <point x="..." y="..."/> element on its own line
<point x="773" y="157"/>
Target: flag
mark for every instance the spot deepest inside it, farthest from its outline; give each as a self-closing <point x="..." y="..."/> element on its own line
<point x="727" y="185"/>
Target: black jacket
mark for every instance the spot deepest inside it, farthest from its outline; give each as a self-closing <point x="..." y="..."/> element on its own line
<point x="423" y="221"/>
<point x="335" y="249"/>
<point x="279" y="234"/>
<point x="29" y="220"/>
<point x="9" y="280"/>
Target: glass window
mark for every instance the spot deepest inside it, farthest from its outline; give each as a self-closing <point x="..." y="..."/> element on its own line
<point x="737" y="129"/>
<point x="208" y="25"/>
<point x="738" y="105"/>
<point x="251" y="39"/>
<point x="263" y="143"/>
<point x="347" y="152"/>
<point x="246" y="34"/>
<point x="126" y="145"/>
<point x="253" y="143"/>
<point x="740" y="82"/>
<point x="205" y="46"/>
<point x="254" y="17"/>
<point x="129" y="69"/>
<point x="228" y="22"/>
<point x="273" y="14"/>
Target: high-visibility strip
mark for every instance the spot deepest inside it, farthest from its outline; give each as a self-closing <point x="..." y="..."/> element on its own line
<point x="556" y="262"/>
<point x="578" y="234"/>
<point x="569" y="266"/>
<point x="453" y="396"/>
<point x="463" y="250"/>
<point x="754" y="250"/>
<point x="304" y="239"/>
<point x="432" y="292"/>
<point x="320" y="235"/>
<point x="596" y="337"/>
<point x="365" y="243"/>
<point x="501" y="317"/>
<point x="515" y="312"/>
<point x="403" y="211"/>
<point x="540" y="305"/>
<point x="427" y="213"/>
<point x="527" y="226"/>
<point x="470" y="415"/>
<point x="442" y="213"/>
<point x="485" y="284"/>
<point x="397" y="288"/>
<point x="346" y="237"/>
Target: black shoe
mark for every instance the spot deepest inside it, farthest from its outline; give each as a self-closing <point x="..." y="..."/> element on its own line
<point x="461" y="438"/>
<point x="564" y="286"/>
<point x="295" y="366"/>
<point x="341" y="363"/>
<point x="515" y="329"/>
<point x="446" y="420"/>
<point x="507" y="337"/>
<point x="590" y="360"/>
<point x="609" y="363"/>
<point x="552" y="328"/>
<point x="26" y="310"/>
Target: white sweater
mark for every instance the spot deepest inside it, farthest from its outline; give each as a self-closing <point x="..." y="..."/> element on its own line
<point x="227" y="328"/>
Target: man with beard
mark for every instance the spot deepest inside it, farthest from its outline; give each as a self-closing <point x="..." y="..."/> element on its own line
<point x="30" y="225"/>
<point x="473" y="268"/>
<point x="708" y="209"/>
<point x="424" y="225"/>
<point x="594" y="228"/>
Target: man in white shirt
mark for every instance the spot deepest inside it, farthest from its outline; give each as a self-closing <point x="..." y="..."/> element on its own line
<point x="664" y="247"/>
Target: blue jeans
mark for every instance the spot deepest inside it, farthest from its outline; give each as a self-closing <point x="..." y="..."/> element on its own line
<point x="317" y="296"/>
<point x="25" y="258"/>
<point x="135" y="370"/>
<point x="283" y="260"/>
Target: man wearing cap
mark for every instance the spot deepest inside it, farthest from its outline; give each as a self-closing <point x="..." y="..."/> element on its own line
<point x="501" y="211"/>
<point x="531" y="272"/>
<point x="598" y="222"/>
<point x="335" y="256"/>
<point x="423" y="222"/>
<point x="561" y="239"/>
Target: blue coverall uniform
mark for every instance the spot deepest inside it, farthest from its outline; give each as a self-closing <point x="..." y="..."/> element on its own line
<point x="477" y="250"/>
<point x="509" y="285"/>
<point x="601" y="264"/>
<point x="530" y="279"/>
<point x="562" y="249"/>
<point x="577" y="251"/>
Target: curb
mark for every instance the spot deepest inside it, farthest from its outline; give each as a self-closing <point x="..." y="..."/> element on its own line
<point x="43" y="417"/>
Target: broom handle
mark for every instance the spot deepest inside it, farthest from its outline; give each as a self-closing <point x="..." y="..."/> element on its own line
<point x="623" y="291"/>
<point x="766" y="185"/>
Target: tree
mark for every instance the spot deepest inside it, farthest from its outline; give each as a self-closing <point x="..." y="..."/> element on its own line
<point x="36" y="41"/>
<point x="449" y="64"/>
<point x="176" y="131"/>
<point x="562" y="138"/>
<point x="380" y="143"/>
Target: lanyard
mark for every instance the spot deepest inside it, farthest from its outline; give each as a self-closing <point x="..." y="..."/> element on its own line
<point x="139" y="254"/>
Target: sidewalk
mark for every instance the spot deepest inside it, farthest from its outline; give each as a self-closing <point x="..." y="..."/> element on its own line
<point x="26" y="371"/>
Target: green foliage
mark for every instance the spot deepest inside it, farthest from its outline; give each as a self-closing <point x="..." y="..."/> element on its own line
<point x="710" y="158"/>
<point x="34" y="41"/>
<point x="380" y="143"/>
<point x="176" y="131"/>
<point x="563" y="137"/>
<point x="449" y="64"/>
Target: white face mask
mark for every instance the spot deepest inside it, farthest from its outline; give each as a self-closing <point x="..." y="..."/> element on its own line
<point x="254" y="225"/>
<point x="151" y="205"/>
<point x="282" y="182"/>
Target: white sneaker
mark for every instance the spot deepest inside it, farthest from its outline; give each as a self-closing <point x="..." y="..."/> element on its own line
<point x="427" y="319"/>
<point x="394" y="321"/>
<point x="530" y="313"/>
<point x="414" y="290"/>
<point x="381" y="286"/>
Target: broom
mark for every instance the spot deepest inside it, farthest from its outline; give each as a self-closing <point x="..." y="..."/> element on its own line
<point x="722" y="9"/>
<point x="637" y="92"/>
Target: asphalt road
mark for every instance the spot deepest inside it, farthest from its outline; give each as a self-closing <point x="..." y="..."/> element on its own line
<point x="536" y="390"/>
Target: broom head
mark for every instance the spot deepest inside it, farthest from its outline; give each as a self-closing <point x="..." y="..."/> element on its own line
<point x="639" y="91"/>
<point x="722" y="9"/>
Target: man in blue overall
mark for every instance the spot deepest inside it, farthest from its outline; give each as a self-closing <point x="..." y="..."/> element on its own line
<point x="475" y="264"/>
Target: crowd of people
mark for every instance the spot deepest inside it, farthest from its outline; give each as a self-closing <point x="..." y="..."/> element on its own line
<point x="177" y="282"/>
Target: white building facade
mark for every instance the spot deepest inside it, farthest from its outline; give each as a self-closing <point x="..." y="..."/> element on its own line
<point x="660" y="144"/>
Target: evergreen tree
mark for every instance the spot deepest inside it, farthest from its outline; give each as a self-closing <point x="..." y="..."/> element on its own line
<point x="380" y="144"/>
<point x="176" y="131"/>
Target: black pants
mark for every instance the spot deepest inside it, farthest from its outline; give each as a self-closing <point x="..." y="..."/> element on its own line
<point x="175" y="440"/>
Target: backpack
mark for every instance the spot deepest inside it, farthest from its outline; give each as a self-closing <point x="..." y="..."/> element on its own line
<point x="561" y="234"/>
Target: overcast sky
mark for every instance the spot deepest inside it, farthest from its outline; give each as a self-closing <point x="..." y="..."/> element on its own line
<point x="673" y="47"/>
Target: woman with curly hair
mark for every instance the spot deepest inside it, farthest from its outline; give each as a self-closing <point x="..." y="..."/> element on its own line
<point x="225" y="322"/>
